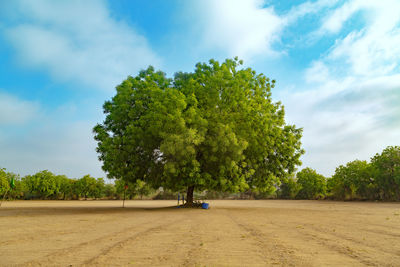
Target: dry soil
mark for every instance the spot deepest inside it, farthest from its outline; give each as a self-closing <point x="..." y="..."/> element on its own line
<point x="230" y="233"/>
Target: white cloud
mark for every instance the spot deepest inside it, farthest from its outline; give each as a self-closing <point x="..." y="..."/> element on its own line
<point x="78" y="41"/>
<point x="345" y="119"/>
<point x="349" y="103"/>
<point x="373" y="50"/>
<point x="317" y="72"/>
<point x="14" y="111"/>
<point x="239" y="28"/>
<point x="334" y="22"/>
<point x="247" y="28"/>
<point x="308" y="8"/>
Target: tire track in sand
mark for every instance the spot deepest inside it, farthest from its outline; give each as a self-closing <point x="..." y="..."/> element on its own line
<point x="275" y="253"/>
<point x="174" y="243"/>
<point x="346" y="245"/>
<point x="121" y="244"/>
<point x="78" y="254"/>
<point x="307" y="236"/>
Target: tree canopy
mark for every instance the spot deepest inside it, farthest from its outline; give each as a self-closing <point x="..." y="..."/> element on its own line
<point x="215" y="128"/>
<point x="4" y="183"/>
<point x="386" y="172"/>
<point x="352" y="181"/>
<point x="312" y="184"/>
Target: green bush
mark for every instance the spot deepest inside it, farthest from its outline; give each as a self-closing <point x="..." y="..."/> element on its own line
<point x="385" y="170"/>
<point x="352" y="182"/>
<point x="313" y="185"/>
<point x="4" y="183"/>
<point x="289" y="188"/>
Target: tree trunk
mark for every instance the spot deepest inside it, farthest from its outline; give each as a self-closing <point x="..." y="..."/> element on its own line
<point x="189" y="195"/>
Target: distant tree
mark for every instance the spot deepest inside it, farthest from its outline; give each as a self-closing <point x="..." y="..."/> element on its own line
<point x="313" y="185"/>
<point x="4" y="183"/>
<point x="86" y="186"/>
<point x="43" y="184"/>
<point x="130" y="192"/>
<point x="216" y="128"/>
<point x="100" y="188"/>
<point x="65" y="186"/>
<point x="46" y="185"/>
<point x="19" y="189"/>
<point x="142" y="188"/>
<point x="353" y="181"/>
<point x="289" y="188"/>
<point x="110" y="191"/>
<point x="386" y="172"/>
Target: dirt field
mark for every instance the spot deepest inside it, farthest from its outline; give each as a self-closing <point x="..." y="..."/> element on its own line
<point x="231" y="233"/>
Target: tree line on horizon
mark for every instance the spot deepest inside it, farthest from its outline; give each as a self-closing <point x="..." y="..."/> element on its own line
<point x="47" y="185"/>
<point x="378" y="179"/>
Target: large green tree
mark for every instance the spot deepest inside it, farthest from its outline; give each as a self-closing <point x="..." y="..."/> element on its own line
<point x="216" y="128"/>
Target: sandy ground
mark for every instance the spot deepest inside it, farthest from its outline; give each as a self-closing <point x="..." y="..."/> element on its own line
<point x="231" y="233"/>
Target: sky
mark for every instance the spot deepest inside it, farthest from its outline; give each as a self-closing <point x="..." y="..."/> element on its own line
<point x="336" y="64"/>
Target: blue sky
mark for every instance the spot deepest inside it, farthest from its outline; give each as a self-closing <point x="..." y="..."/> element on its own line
<point x="336" y="64"/>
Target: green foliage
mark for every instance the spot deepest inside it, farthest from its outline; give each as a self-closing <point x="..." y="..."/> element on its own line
<point x="312" y="184"/>
<point x="110" y="191"/>
<point x="4" y="183"/>
<point x="87" y="186"/>
<point x="137" y="188"/>
<point x="289" y="188"/>
<point x="386" y="173"/>
<point x="216" y="128"/>
<point x="43" y="184"/>
<point x="20" y="189"/>
<point x="99" y="188"/>
<point x="378" y="180"/>
<point x="353" y="181"/>
<point x="66" y="187"/>
<point x="46" y="185"/>
<point x="143" y="189"/>
<point x="130" y="192"/>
